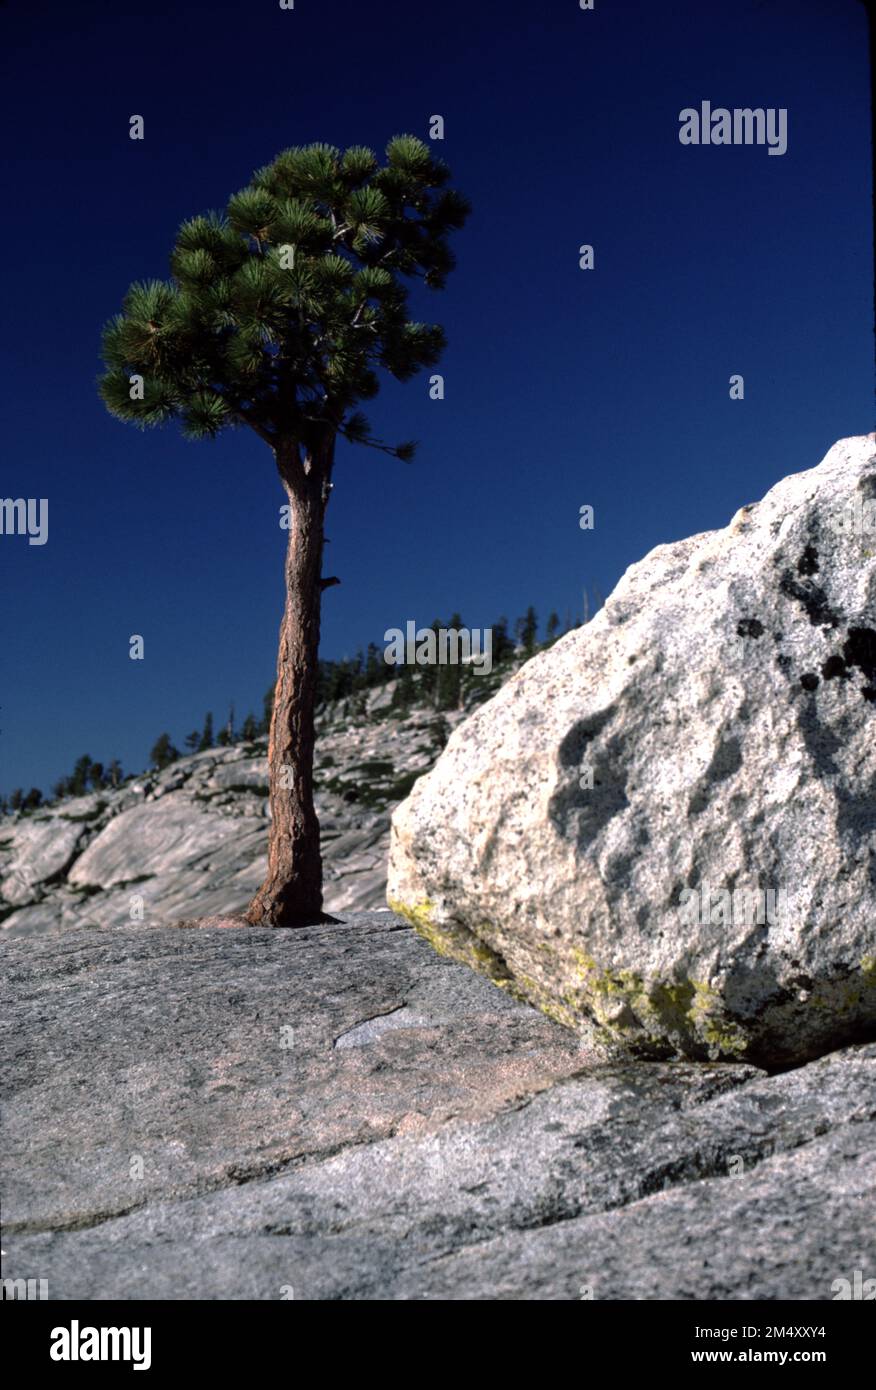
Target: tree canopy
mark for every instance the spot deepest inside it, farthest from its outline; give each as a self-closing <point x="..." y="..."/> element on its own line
<point x="281" y="311"/>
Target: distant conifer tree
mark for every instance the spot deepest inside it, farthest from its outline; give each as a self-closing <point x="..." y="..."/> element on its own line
<point x="404" y="694"/>
<point x="359" y="671"/>
<point x="527" y="629"/>
<point x="268" y="708"/>
<point x="375" y="666"/>
<point x="503" y="647"/>
<point x="163" y="752"/>
<point x="207" y="734"/>
<point x="81" y="775"/>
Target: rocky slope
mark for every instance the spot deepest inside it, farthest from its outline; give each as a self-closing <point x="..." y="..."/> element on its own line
<point x="193" y="839"/>
<point x="338" y="1112"/>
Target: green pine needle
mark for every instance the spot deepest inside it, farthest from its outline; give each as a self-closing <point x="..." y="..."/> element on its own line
<point x="282" y="312"/>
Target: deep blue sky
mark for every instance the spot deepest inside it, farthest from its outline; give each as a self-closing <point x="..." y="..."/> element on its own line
<point x="562" y="387"/>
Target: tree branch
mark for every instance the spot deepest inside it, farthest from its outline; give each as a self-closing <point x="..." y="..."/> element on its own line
<point x="262" y="433"/>
<point x="253" y="424"/>
<point x="390" y="449"/>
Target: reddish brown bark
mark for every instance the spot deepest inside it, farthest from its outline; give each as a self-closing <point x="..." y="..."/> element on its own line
<point x="291" y="894"/>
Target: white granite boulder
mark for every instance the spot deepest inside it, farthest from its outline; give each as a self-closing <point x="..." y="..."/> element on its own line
<point x="662" y="830"/>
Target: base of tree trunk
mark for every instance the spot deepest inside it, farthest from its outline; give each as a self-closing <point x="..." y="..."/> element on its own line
<point x="269" y="910"/>
<point x="235" y="920"/>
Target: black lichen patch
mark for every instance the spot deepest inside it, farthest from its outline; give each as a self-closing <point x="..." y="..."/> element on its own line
<point x="835" y="667"/>
<point x="749" y="627"/>
<point x="811" y="597"/>
<point x="809" y="680"/>
<point x="808" y="562"/>
<point x="859" y="650"/>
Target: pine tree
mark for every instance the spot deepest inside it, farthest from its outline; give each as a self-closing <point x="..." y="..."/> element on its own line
<point x="325" y="676"/>
<point x="268" y="708"/>
<point x="207" y="735"/>
<point x="359" y="670"/>
<point x="553" y="624"/>
<point x="32" y="800"/>
<point x="193" y="740"/>
<point x="95" y="776"/>
<point x="345" y="677"/>
<point x="163" y="752"/>
<point x="16" y="798"/>
<point x="529" y="631"/>
<point x="405" y="692"/>
<point x="332" y="685"/>
<point x="448" y="679"/>
<point x="279" y="316"/>
<point x="503" y="647"/>
<point x="428" y="675"/>
<point x="81" y="776"/>
<point x="249" y="729"/>
<point x="448" y="686"/>
<point x="375" y="666"/>
<point x="114" y="773"/>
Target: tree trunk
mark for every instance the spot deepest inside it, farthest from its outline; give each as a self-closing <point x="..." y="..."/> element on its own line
<point x="291" y="894"/>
